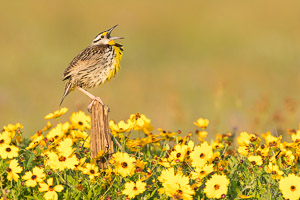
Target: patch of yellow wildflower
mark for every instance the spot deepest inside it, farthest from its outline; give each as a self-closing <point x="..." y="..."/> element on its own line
<point x="55" y="163"/>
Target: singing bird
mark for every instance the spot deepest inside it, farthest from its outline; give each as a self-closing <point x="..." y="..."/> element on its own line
<point x="93" y="66"/>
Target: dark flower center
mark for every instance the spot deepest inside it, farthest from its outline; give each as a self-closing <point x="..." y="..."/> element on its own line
<point x="293" y="188"/>
<point x="179" y="191"/>
<point x="33" y="177"/>
<point x="216" y="187"/>
<point x="137" y="116"/>
<point x="135" y="188"/>
<point x="272" y="144"/>
<point x="8" y="170"/>
<point x="51" y="188"/>
<point x="8" y="149"/>
<point x="202" y="172"/>
<point x="2" y="141"/>
<point x="92" y="171"/>
<point x="253" y="162"/>
<point x="253" y="139"/>
<point x="80" y="123"/>
<point x="178" y="155"/>
<point x="124" y="164"/>
<point x="62" y="159"/>
<point x="202" y="155"/>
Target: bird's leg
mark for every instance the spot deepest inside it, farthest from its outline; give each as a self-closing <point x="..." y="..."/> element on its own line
<point x="91" y="96"/>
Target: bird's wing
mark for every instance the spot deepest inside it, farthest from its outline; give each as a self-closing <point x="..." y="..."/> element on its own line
<point x="88" y="57"/>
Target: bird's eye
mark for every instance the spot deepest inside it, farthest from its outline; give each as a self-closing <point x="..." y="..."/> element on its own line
<point x="102" y="36"/>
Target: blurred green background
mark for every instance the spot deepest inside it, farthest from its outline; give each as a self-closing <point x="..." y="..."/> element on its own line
<point x="233" y="62"/>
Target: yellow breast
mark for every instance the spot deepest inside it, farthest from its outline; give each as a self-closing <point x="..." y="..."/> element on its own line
<point x="116" y="62"/>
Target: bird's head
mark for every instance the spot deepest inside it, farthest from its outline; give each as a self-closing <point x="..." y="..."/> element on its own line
<point x="104" y="38"/>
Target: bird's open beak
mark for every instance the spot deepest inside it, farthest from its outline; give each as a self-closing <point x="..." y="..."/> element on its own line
<point x="109" y="32"/>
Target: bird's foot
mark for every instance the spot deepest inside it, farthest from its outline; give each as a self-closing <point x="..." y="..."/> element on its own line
<point x="92" y="103"/>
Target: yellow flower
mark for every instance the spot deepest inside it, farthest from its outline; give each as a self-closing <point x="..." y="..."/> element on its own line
<point x="201" y="172"/>
<point x="51" y="191"/>
<point x="245" y="138"/>
<point x="47" y="127"/>
<point x="35" y="142"/>
<point x="80" y="120"/>
<point x="166" y="134"/>
<point x="140" y="164"/>
<point x="133" y="189"/>
<point x="164" y="162"/>
<point x="165" y="174"/>
<point x="179" y="190"/>
<point x="124" y="164"/>
<point x="80" y="163"/>
<point x="13" y="170"/>
<point x="55" y="134"/>
<point x="108" y="173"/>
<point x="296" y="137"/>
<point x="65" y="147"/>
<point x="79" y="134"/>
<point x="290" y="187"/>
<point x="5" y="138"/>
<point x="274" y="170"/>
<point x="37" y="134"/>
<point x="92" y="170"/>
<point x="61" y="161"/>
<point x="121" y="127"/>
<point x="201" y="135"/>
<point x="202" y="123"/>
<point x="178" y="154"/>
<point x="36" y="176"/>
<point x="57" y="113"/>
<point x="13" y="128"/>
<point x="140" y="122"/>
<point x="217" y="145"/>
<point x="64" y="158"/>
<point x="8" y="151"/>
<point x="255" y="160"/>
<point x="175" y="185"/>
<point x="134" y="145"/>
<point x="271" y="140"/>
<point x="217" y="186"/>
<point x="244" y="150"/>
<point x="263" y="150"/>
<point x="201" y="154"/>
<point x="288" y="156"/>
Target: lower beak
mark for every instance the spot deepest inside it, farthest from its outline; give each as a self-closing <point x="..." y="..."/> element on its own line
<point x="116" y="38"/>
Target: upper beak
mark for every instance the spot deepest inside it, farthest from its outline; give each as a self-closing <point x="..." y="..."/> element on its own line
<point x="109" y="32"/>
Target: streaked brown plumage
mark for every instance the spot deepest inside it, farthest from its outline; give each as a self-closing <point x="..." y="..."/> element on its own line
<point x="94" y="65"/>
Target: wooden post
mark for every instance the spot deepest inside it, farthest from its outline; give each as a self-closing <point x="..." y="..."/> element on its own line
<point x="100" y="137"/>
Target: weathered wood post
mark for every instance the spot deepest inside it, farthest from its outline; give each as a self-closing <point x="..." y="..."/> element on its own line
<point x="100" y="137"/>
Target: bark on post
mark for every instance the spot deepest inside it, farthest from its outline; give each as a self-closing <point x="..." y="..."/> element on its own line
<point x="100" y="137"/>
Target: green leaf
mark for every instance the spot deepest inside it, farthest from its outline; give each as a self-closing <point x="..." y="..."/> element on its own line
<point x="71" y="180"/>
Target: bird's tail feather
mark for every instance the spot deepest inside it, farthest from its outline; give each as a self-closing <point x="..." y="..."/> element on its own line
<point x="68" y="89"/>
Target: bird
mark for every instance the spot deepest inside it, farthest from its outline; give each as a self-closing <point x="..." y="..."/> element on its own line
<point x="93" y="66"/>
